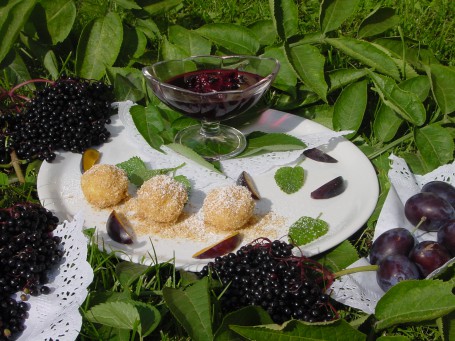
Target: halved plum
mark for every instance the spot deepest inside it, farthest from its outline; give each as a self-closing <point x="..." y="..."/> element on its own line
<point x="117" y="229"/>
<point x="89" y="158"/>
<point x="318" y="155"/>
<point x="330" y="189"/>
<point x="220" y="248"/>
<point x="246" y="180"/>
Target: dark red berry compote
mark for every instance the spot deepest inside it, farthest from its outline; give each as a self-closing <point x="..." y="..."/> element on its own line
<point x="213" y="94"/>
<point x="204" y="81"/>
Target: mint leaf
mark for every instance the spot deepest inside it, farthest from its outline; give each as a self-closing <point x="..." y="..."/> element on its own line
<point x="307" y="229"/>
<point x="290" y="179"/>
<point x="132" y="165"/>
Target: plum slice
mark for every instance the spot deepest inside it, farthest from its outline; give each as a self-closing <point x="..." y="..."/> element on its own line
<point x="246" y="180"/>
<point x="318" y="155"/>
<point x="89" y="158"/>
<point x="117" y="229"/>
<point x="330" y="189"/>
<point x="220" y="248"/>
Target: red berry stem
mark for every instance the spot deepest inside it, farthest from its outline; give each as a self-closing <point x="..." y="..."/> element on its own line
<point x="36" y="80"/>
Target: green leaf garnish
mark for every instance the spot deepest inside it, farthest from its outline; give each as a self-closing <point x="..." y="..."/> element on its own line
<point x="138" y="173"/>
<point x="307" y="229"/>
<point x="260" y="142"/>
<point x="290" y="179"/>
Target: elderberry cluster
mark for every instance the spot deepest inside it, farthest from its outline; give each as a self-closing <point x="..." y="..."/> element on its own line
<point x="268" y="275"/>
<point x="28" y="250"/>
<point x="69" y="114"/>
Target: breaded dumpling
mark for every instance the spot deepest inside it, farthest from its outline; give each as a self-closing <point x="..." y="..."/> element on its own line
<point x="104" y="185"/>
<point x="228" y="208"/>
<point x="161" y="199"/>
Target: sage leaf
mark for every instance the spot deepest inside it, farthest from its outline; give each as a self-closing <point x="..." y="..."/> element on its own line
<point x="340" y="257"/>
<point x="192" y="308"/>
<point x="60" y="17"/>
<point x="414" y="301"/>
<point x="334" y="12"/>
<point x="192" y="155"/>
<point x="308" y="63"/>
<point x="14" y="14"/>
<point x="285" y="18"/>
<point x="290" y="179"/>
<point x="258" y="142"/>
<point x="247" y="316"/>
<point x="235" y="38"/>
<point x="443" y="86"/>
<point x="128" y="272"/>
<point x="366" y="53"/>
<point x="405" y="103"/>
<point x="190" y="41"/>
<point x="123" y="315"/>
<point x="99" y="46"/>
<point x="307" y="229"/>
<point x="379" y="21"/>
<point x="435" y="145"/>
<point x="350" y="106"/>
<point x="295" y="330"/>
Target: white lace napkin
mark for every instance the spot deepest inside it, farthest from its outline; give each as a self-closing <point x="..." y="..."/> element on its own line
<point x="56" y="316"/>
<point x="360" y="290"/>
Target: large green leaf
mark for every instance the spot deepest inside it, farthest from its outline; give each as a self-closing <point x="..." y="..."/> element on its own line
<point x="405" y="103"/>
<point x="158" y="6"/>
<point x="386" y="123"/>
<point x="50" y="62"/>
<point x="285" y="18"/>
<point x="13" y="17"/>
<point x="258" y="142"/>
<point x="414" y="301"/>
<point x="123" y="315"/>
<point x="340" y="257"/>
<point x="192" y="308"/>
<point x="342" y="77"/>
<point x="417" y="56"/>
<point x="366" y="53"/>
<point x="295" y="330"/>
<point x="378" y="21"/>
<point x="443" y="86"/>
<point x="133" y="46"/>
<point x="172" y="51"/>
<point x="334" y="12"/>
<point x="99" y="46"/>
<point x="128" y="272"/>
<point x="60" y="17"/>
<point x="435" y="145"/>
<point x="235" y="38"/>
<point x="247" y="316"/>
<point x="188" y="40"/>
<point x="16" y="72"/>
<point x="286" y="78"/>
<point x="308" y="63"/>
<point x="265" y="31"/>
<point x="350" y="107"/>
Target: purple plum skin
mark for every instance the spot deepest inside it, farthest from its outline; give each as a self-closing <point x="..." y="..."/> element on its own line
<point x="394" y="269"/>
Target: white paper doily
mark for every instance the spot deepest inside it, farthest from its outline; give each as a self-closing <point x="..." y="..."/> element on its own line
<point x="360" y="290"/>
<point x="56" y="316"/>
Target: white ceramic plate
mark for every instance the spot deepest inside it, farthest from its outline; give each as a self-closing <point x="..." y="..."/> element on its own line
<point x="59" y="190"/>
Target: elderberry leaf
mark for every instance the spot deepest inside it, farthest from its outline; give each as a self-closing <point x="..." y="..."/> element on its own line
<point x="290" y="179"/>
<point x="192" y="307"/>
<point x="413" y="301"/>
<point x="307" y="229"/>
<point x="114" y="314"/>
<point x="298" y="330"/>
<point x="128" y="272"/>
<point x="259" y="142"/>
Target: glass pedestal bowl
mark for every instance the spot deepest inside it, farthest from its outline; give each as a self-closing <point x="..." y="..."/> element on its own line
<point x="211" y="89"/>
